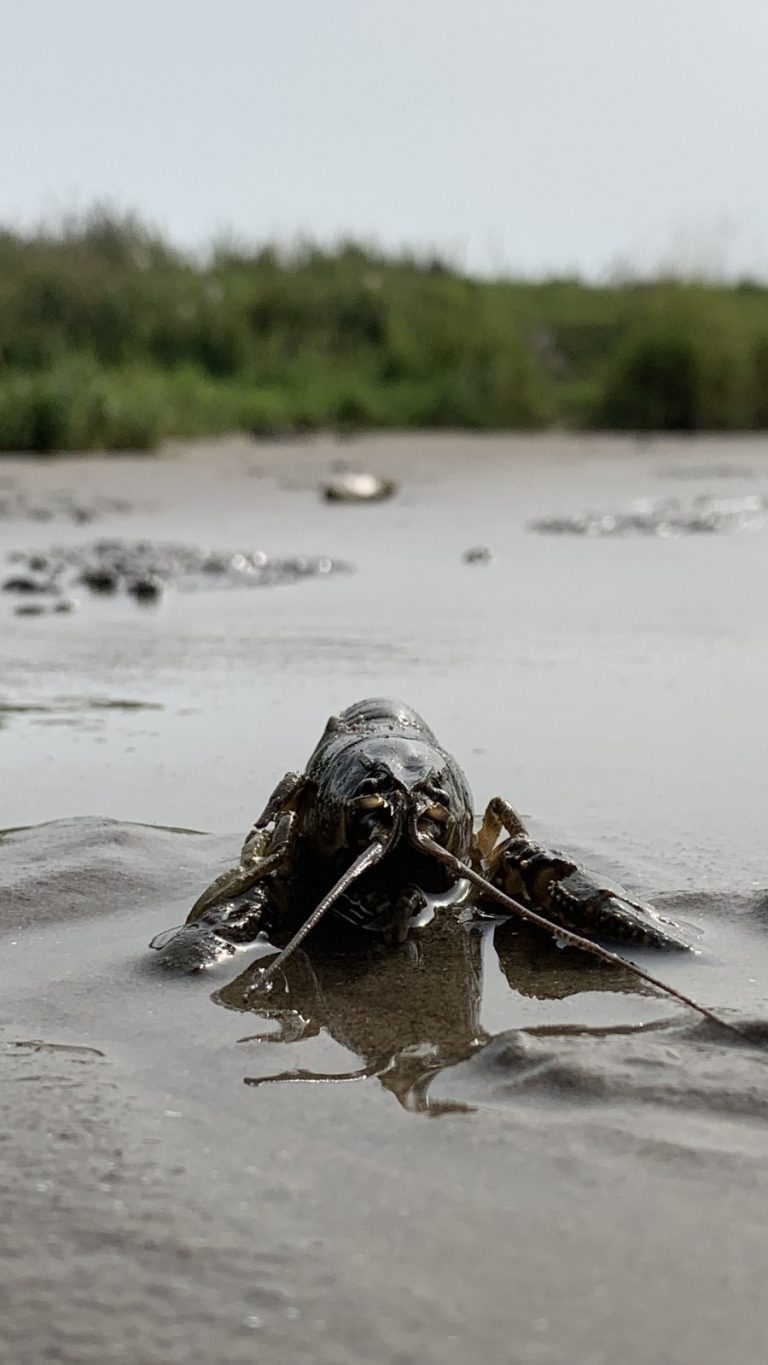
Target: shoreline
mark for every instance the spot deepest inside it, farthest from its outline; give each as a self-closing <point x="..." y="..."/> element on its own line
<point x="165" y="1201"/>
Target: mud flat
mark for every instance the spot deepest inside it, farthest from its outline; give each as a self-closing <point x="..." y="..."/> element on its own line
<point x="520" y="1157"/>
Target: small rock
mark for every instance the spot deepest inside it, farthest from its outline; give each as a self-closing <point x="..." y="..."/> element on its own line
<point x="359" y="486"/>
<point x="147" y="589"/>
<point x="23" y="584"/>
<point x="30" y="609"/>
<point x="99" y="580"/>
<point x="477" y="554"/>
<point x="59" y="607"/>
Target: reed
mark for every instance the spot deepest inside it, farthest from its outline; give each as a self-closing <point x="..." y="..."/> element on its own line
<point x="111" y="338"/>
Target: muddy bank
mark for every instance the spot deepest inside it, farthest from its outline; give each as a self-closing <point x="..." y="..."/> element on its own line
<point x="520" y="1156"/>
<point x="156" y="1207"/>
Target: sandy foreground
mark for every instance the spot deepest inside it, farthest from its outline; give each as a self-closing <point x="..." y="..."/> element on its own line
<point x="537" y="1165"/>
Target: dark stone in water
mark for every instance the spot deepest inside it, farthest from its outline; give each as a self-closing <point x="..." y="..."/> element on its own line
<point x="21" y="583"/>
<point x="100" y="580"/>
<point x="148" y="589"/>
<point x="477" y="554"/>
<point x="59" y="607"/>
<point x="30" y="609"/>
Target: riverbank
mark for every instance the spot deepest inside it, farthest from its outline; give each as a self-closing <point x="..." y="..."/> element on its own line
<point x="111" y="338"/>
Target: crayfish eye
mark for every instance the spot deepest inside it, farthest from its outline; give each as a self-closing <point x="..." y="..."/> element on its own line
<point x="375" y="781"/>
<point x="371" y="784"/>
<point x="371" y="793"/>
<point x="438" y="811"/>
<point x="434" y="788"/>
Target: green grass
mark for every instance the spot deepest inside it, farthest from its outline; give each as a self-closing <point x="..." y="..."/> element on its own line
<point x="111" y="338"/>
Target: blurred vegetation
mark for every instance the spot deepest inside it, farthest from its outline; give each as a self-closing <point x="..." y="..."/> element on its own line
<point x="111" y="338"/>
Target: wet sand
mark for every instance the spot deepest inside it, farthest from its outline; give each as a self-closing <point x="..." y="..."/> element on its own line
<point x="539" y="1164"/>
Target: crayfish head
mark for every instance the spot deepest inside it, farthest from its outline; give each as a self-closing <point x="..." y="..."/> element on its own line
<point x="387" y="798"/>
<point x="386" y="801"/>
<point x="366" y="793"/>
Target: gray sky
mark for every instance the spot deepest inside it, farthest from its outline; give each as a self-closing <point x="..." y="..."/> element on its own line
<point x="524" y="135"/>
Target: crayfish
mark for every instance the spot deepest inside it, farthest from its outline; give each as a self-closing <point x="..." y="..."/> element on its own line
<point x="378" y="835"/>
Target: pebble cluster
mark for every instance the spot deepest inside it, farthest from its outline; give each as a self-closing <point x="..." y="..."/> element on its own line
<point x="666" y="517"/>
<point x="145" y="569"/>
<point x="59" y="507"/>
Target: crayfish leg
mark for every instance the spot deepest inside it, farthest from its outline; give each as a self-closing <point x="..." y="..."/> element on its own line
<point x="567" y="895"/>
<point x="580" y="904"/>
<point x="283" y="799"/>
<point x="499" y="818"/>
<point x="560" y="890"/>
<point x="523" y="868"/>
<point x="263" y="853"/>
<point x="213" y="934"/>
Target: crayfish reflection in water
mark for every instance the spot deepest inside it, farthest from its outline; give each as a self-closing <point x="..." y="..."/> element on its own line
<point x="378" y="835"/>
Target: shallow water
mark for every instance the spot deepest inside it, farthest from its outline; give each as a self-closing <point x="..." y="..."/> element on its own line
<point x="587" y="1189"/>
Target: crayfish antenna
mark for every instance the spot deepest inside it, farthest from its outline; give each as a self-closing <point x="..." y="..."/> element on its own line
<point x="429" y="845"/>
<point x="368" y="858"/>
